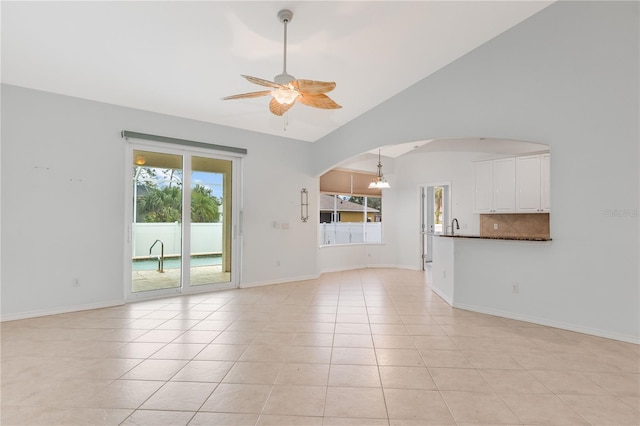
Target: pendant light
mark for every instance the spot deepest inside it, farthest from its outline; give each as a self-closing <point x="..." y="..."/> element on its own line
<point x="379" y="181"/>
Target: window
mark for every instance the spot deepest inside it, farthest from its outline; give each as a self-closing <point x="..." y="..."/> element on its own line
<point x="350" y="212"/>
<point x="438" y="210"/>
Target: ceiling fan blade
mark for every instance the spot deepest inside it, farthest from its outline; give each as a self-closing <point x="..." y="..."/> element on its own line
<point x="317" y="101"/>
<point x="277" y="108"/>
<point x="262" y="82"/>
<point x="248" y="95"/>
<point x="313" y="87"/>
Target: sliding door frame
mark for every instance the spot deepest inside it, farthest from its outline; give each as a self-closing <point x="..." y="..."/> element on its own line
<point x="236" y="215"/>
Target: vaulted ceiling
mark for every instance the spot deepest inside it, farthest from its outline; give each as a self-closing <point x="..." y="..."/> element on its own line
<point x="180" y="58"/>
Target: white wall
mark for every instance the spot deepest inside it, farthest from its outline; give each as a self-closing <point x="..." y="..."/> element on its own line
<point x="566" y="77"/>
<point x="63" y="168"/>
<point x="401" y="205"/>
<point x="419" y="169"/>
<point x="442" y="268"/>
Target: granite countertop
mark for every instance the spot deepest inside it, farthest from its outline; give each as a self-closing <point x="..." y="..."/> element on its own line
<point x="494" y="238"/>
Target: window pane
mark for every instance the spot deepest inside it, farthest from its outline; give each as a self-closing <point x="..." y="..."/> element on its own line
<point x="438" y="210"/>
<point x="157" y="215"/>
<point x="374" y="219"/>
<point x="349" y="219"/>
<point x="210" y="223"/>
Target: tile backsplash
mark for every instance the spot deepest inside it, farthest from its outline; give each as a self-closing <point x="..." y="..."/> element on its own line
<point x="533" y="225"/>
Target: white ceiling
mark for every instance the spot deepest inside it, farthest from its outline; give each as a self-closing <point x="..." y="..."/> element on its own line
<point x="180" y="58"/>
<point x="497" y="147"/>
<point x="489" y="145"/>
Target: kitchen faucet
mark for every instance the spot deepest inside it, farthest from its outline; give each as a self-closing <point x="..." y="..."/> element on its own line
<point x="457" y="225"/>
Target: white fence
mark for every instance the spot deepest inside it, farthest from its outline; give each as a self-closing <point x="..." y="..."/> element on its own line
<point x="205" y="238"/>
<point x="350" y="232"/>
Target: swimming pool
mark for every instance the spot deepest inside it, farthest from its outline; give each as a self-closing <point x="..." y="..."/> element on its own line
<point x="151" y="264"/>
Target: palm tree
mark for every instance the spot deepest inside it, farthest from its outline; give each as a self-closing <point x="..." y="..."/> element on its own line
<point x="204" y="206"/>
<point x="165" y="205"/>
<point x="161" y="205"/>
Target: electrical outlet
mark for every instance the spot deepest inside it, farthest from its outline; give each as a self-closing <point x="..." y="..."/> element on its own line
<point x="515" y="288"/>
<point x="495" y="226"/>
<point x="444" y="274"/>
<point x="76" y="282"/>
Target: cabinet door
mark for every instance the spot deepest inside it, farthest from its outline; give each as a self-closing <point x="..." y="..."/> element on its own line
<point x="528" y="184"/>
<point x="483" y="186"/>
<point x="545" y="176"/>
<point x="504" y="185"/>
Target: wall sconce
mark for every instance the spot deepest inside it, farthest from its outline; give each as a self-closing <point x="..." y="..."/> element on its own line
<point x="304" y="205"/>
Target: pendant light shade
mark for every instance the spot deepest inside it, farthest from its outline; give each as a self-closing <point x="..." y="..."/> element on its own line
<point x="379" y="181"/>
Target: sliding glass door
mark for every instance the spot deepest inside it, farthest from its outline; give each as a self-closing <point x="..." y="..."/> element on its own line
<point x="156" y="230"/>
<point x="182" y="216"/>
<point x="210" y="220"/>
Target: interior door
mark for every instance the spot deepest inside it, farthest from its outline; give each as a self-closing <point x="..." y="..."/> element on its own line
<point x="427" y="224"/>
<point x="435" y="216"/>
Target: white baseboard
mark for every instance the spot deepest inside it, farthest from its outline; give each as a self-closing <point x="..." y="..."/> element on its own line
<point x="550" y="323"/>
<point x="278" y="281"/>
<point x="381" y="265"/>
<point x="408" y="267"/>
<point x="57" y="311"/>
<point x="346" y="268"/>
<point x="372" y="266"/>
<point x="504" y="314"/>
<point x="442" y="295"/>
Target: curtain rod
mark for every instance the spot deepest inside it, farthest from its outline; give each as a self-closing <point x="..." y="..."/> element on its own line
<point x="135" y="135"/>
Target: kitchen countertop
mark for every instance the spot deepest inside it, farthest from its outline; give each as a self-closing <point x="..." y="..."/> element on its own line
<point x="493" y="238"/>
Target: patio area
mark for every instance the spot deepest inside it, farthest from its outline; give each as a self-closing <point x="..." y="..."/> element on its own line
<point x="170" y="278"/>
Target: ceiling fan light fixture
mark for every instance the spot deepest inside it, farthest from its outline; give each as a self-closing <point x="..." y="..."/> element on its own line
<point x="285" y="96"/>
<point x="286" y="90"/>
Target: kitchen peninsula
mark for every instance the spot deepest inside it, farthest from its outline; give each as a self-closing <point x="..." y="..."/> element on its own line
<point x="495" y="275"/>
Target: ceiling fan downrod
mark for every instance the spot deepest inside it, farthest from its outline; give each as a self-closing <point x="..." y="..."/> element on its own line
<point x="285" y="16"/>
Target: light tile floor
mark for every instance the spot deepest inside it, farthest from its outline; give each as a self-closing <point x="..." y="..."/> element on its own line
<point x="366" y="347"/>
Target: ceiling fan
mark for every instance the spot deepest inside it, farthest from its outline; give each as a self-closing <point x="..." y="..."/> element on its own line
<point x="286" y="89"/>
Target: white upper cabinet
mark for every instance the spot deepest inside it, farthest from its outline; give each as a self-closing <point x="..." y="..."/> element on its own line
<point x="512" y="185"/>
<point x="545" y="182"/>
<point x="533" y="184"/>
<point x="504" y="185"/>
<point x="483" y="186"/>
<point x="494" y="186"/>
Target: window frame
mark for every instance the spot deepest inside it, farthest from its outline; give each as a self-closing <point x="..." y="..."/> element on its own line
<point x="365" y="223"/>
